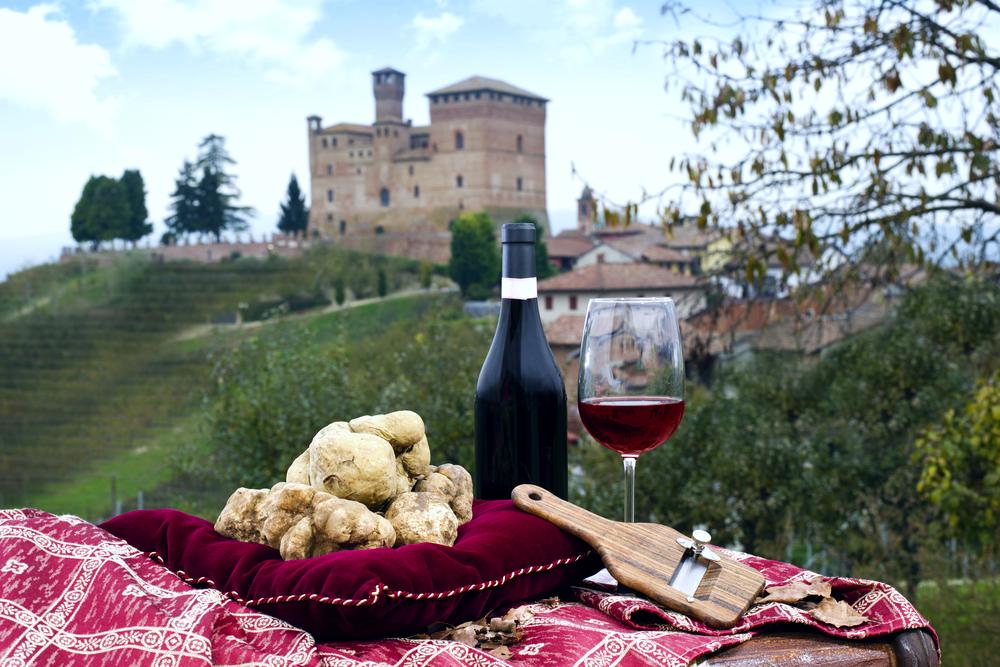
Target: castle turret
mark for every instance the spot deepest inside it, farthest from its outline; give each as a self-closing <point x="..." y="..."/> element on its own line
<point x="388" y="85"/>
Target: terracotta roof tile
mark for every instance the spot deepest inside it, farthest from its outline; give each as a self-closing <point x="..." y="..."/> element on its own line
<point x="474" y="83"/>
<point x="565" y="330"/>
<point x="568" y="246"/>
<point x="661" y="253"/>
<point x="616" y="278"/>
<point x="352" y="128"/>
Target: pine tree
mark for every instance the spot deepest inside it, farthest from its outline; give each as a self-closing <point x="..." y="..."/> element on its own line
<point x="211" y="218"/>
<point x="223" y="213"/>
<point x="294" y="214"/>
<point x="183" y="203"/>
<point x="212" y="154"/>
<point x="135" y="193"/>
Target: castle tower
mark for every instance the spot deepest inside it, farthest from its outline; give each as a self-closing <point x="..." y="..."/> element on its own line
<point x="388" y="85"/>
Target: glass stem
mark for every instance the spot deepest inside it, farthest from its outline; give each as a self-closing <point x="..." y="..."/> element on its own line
<point x="629" y="462"/>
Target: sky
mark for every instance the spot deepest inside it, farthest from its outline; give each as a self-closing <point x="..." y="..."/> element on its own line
<point x="99" y="86"/>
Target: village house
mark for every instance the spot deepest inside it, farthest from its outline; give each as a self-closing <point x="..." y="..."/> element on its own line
<point x="569" y="293"/>
<point x="567" y="247"/>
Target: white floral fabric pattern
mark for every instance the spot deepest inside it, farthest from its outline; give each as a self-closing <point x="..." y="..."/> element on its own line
<point x="73" y="594"/>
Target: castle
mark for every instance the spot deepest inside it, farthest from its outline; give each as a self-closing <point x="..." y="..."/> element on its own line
<point x="483" y="150"/>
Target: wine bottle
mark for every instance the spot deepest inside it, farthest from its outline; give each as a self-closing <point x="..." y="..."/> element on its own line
<point x="520" y="396"/>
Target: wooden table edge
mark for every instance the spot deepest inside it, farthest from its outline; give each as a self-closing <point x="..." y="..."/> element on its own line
<point x="908" y="648"/>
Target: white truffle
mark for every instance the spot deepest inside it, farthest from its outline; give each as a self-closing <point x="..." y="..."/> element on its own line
<point x="422" y="517"/>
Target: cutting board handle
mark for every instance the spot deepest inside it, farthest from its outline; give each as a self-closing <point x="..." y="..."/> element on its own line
<point x="574" y="520"/>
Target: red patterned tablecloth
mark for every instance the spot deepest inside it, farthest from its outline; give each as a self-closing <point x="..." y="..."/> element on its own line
<point x="73" y="594"/>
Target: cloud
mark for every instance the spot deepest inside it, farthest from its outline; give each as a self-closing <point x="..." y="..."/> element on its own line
<point x="576" y="30"/>
<point x="47" y="69"/>
<point x="431" y="30"/>
<point x="276" y="35"/>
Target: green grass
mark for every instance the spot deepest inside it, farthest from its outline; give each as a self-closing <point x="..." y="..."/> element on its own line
<point x="966" y="616"/>
<point x="141" y="468"/>
<point x="95" y="379"/>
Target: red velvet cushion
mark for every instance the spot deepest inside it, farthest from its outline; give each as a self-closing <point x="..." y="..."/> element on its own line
<point x="502" y="556"/>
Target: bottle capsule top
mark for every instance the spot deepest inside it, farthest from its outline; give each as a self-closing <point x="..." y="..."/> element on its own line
<point x="517" y="232"/>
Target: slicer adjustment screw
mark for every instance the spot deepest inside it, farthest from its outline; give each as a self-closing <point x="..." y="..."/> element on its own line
<point x="701" y="539"/>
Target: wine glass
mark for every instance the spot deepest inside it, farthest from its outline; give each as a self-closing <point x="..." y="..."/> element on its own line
<point x="631" y="389"/>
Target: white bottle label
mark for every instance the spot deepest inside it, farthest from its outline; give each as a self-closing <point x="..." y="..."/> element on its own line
<point x="519" y="288"/>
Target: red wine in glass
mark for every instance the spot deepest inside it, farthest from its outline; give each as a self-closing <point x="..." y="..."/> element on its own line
<point x="632" y="425"/>
<point x="631" y="386"/>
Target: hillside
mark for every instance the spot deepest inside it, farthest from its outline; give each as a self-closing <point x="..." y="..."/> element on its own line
<point x="105" y="369"/>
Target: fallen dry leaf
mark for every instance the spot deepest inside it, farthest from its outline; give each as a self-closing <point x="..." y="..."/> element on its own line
<point x="502" y="652"/>
<point x="491" y="634"/>
<point x="465" y="635"/>
<point x="838" y="613"/>
<point x="796" y="591"/>
<point x="519" y="615"/>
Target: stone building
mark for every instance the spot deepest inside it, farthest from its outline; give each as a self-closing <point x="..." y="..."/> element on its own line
<point x="483" y="150"/>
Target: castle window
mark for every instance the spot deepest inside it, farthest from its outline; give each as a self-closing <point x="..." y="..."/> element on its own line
<point x="459" y="182"/>
<point x="384" y="196"/>
<point x="395" y="133"/>
<point x="572" y="302"/>
<point x="329" y="195"/>
<point x="416" y="192"/>
<point x="459" y="141"/>
<point x="519" y="184"/>
<point x="324" y="142"/>
<point x="329" y="217"/>
<point x="379" y="230"/>
<point x="548" y="302"/>
<point x="351" y="154"/>
<point x="466" y="97"/>
<point x="329" y="170"/>
<point x="411" y="170"/>
<point x="334" y="142"/>
<point x="520" y="144"/>
<point x="343" y="227"/>
<point x="350" y="142"/>
<point x="477" y="96"/>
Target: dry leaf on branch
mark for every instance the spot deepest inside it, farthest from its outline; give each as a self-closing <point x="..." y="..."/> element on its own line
<point x="838" y="613"/>
<point x="796" y="591"/>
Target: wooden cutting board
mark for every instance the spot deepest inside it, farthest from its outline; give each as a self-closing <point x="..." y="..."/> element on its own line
<point x="644" y="556"/>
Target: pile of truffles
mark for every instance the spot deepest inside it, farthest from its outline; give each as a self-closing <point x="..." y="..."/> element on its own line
<point x="361" y="484"/>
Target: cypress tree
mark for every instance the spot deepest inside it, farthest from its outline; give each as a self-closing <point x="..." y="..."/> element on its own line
<point x="294" y="214"/>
